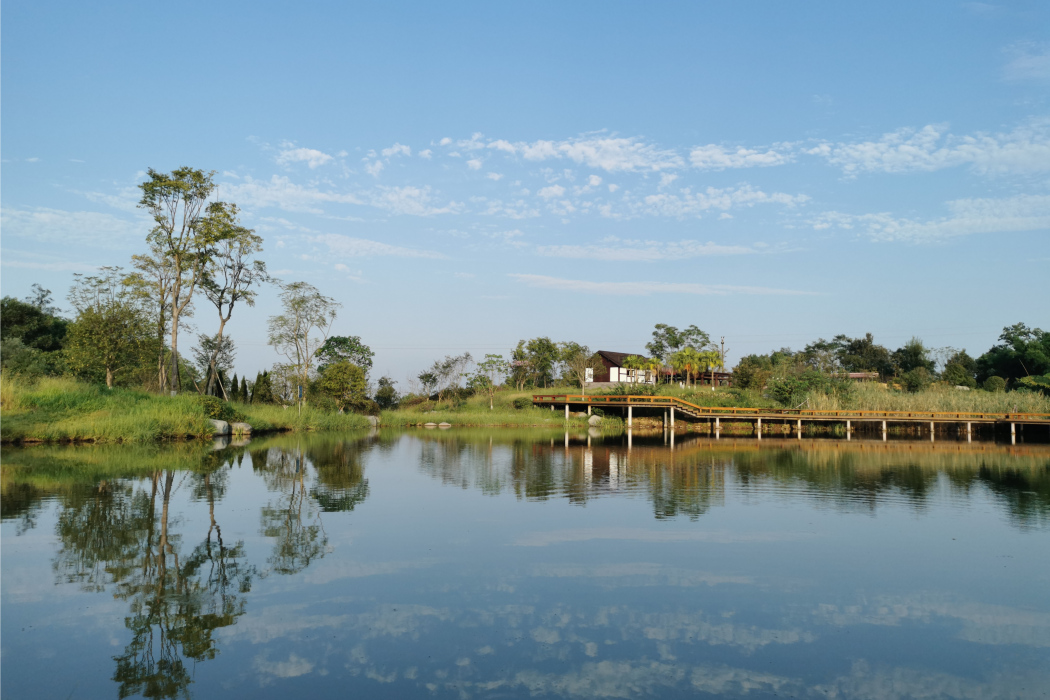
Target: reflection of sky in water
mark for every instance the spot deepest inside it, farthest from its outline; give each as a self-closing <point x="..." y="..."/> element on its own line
<point x="504" y="565"/>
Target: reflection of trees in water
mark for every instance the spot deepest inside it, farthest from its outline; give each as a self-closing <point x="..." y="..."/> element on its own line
<point x="692" y="479"/>
<point x="293" y="519"/>
<point x="113" y="536"/>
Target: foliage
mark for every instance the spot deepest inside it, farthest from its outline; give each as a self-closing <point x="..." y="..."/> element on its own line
<point x="960" y="370"/>
<point x="33" y="322"/>
<point x="994" y="384"/>
<point x="522" y="402"/>
<point x="111" y="334"/>
<point x="345" y="383"/>
<point x="231" y="273"/>
<point x="862" y="355"/>
<point x="306" y="312"/>
<point x="179" y="205"/>
<point x="216" y="408"/>
<point x="913" y="355"/>
<point x="668" y="339"/>
<point x="262" y="389"/>
<point x="793" y="390"/>
<point x="16" y="358"/>
<point x="1021" y="352"/>
<point x="344" y="348"/>
<point x="212" y="351"/>
<point x="445" y="375"/>
<point x="578" y="359"/>
<point x="542" y="356"/>
<point x="488" y="375"/>
<point x="1039" y="383"/>
<point x="917" y="379"/>
<point x="386" y="395"/>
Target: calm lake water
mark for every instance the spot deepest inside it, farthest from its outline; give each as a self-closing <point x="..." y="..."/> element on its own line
<point x="478" y="564"/>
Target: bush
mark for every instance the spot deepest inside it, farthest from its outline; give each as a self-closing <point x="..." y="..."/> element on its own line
<point x="791" y="390"/>
<point x="994" y="383"/>
<point x="522" y="402"/>
<point x="412" y="400"/>
<point x="955" y="374"/>
<point x="216" y="408"/>
<point x="917" y="379"/>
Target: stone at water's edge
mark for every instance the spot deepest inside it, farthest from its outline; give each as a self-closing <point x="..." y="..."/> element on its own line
<point x="444" y="425"/>
<point x="220" y="427"/>
<point x="241" y="428"/>
<point x="430" y="425"/>
<point x="594" y="420"/>
<point x="373" y="421"/>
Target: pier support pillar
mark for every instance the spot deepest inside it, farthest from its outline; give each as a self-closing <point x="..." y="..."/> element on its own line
<point x="566" y="411"/>
<point x="884" y="431"/>
<point x="672" y="417"/>
<point x="718" y="428"/>
<point x="588" y="409"/>
<point x="672" y="441"/>
<point x="931" y="431"/>
<point x="1013" y="433"/>
<point x="798" y="428"/>
<point x="758" y="428"/>
<point x="630" y="416"/>
<point x="969" y="433"/>
<point x="849" y="429"/>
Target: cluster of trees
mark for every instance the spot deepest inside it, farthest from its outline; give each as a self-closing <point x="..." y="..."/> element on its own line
<point x="126" y="324"/>
<point x="1021" y="359"/>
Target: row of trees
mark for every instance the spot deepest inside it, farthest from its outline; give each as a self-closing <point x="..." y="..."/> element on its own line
<point x="1021" y="359"/>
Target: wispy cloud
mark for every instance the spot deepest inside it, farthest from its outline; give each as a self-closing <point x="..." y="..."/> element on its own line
<point x="349" y="247"/>
<point x="610" y="153"/>
<point x="84" y="227"/>
<point x="714" y="157"/>
<point x="645" y="288"/>
<point x="312" y="157"/>
<point x="688" y="203"/>
<point x="1028" y="61"/>
<point x="281" y="192"/>
<point x="968" y="217"/>
<point x="1026" y="149"/>
<point x="615" y="249"/>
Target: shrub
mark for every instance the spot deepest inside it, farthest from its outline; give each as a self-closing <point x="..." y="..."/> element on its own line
<point x="522" y="402"/>
<point x="917" y="379"/>
<point x="411" y="400"/>
<point x="994" y="383"/>
<point x="791" y="390"/>
<point x="957" y="375"/>
<point x="216" y="408"/>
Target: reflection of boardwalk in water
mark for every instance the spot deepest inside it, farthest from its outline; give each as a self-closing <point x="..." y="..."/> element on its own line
<point x="692" y="476"/>
<point x="670" y="407"/>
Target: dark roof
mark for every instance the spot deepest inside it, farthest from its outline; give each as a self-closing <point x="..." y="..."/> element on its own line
<point x="617" y="358"/>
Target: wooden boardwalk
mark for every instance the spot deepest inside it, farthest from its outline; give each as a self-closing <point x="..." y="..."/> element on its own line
<point x="673" y="407"/>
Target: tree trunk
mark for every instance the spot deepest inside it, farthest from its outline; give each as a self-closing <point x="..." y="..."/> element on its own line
<point x="109" y="377"/>
<point x="213" y="372"/>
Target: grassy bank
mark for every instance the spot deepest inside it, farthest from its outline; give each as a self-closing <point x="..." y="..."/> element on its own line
<point x="66" y="410"/>
<point x="474" y="411"/>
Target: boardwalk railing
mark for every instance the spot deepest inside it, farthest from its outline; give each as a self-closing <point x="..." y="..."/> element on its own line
<point x="803" y="413"/>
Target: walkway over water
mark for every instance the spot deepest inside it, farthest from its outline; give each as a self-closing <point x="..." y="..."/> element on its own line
<point x="673" y="406"/>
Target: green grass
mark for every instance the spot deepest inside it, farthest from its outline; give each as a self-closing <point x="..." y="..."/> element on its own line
<point x="474" y="412"/>
<point x="66" y="410"/>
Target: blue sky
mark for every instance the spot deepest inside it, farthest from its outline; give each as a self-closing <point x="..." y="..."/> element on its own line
<point x="460" y="176"/>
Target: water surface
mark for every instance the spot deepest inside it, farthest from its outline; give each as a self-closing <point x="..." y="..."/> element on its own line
<point x="519" y="564"/>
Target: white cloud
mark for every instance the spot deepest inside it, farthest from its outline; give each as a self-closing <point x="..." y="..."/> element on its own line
<point x="349" y="247"/>
<point x="416" y="201"/>
<point x="667" y="178"/>
<point x="1026" y="149"/>
<point x="33" y="160"/>
<point x="613" y="188"/>
<point x="644" y="288"/>
<point x="968" y="217"/>
<point x="552" y="191"/>
<point x="398" y="149"/>
<point x="84" y="227"/>
<point x="312" y="157"/>
<point x="1029" y="61"/>
<point x="714" y="157"/>
<point x="688" y="203"/>
<point x="474" y="164"/>
<point x="594" y="181"/>
<point x="426" y="154"/>
<point x="614" y="249"/>
<point x="494" y="176"/>
<point x="375" y="168"/>
<point x="293" y="667"/>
